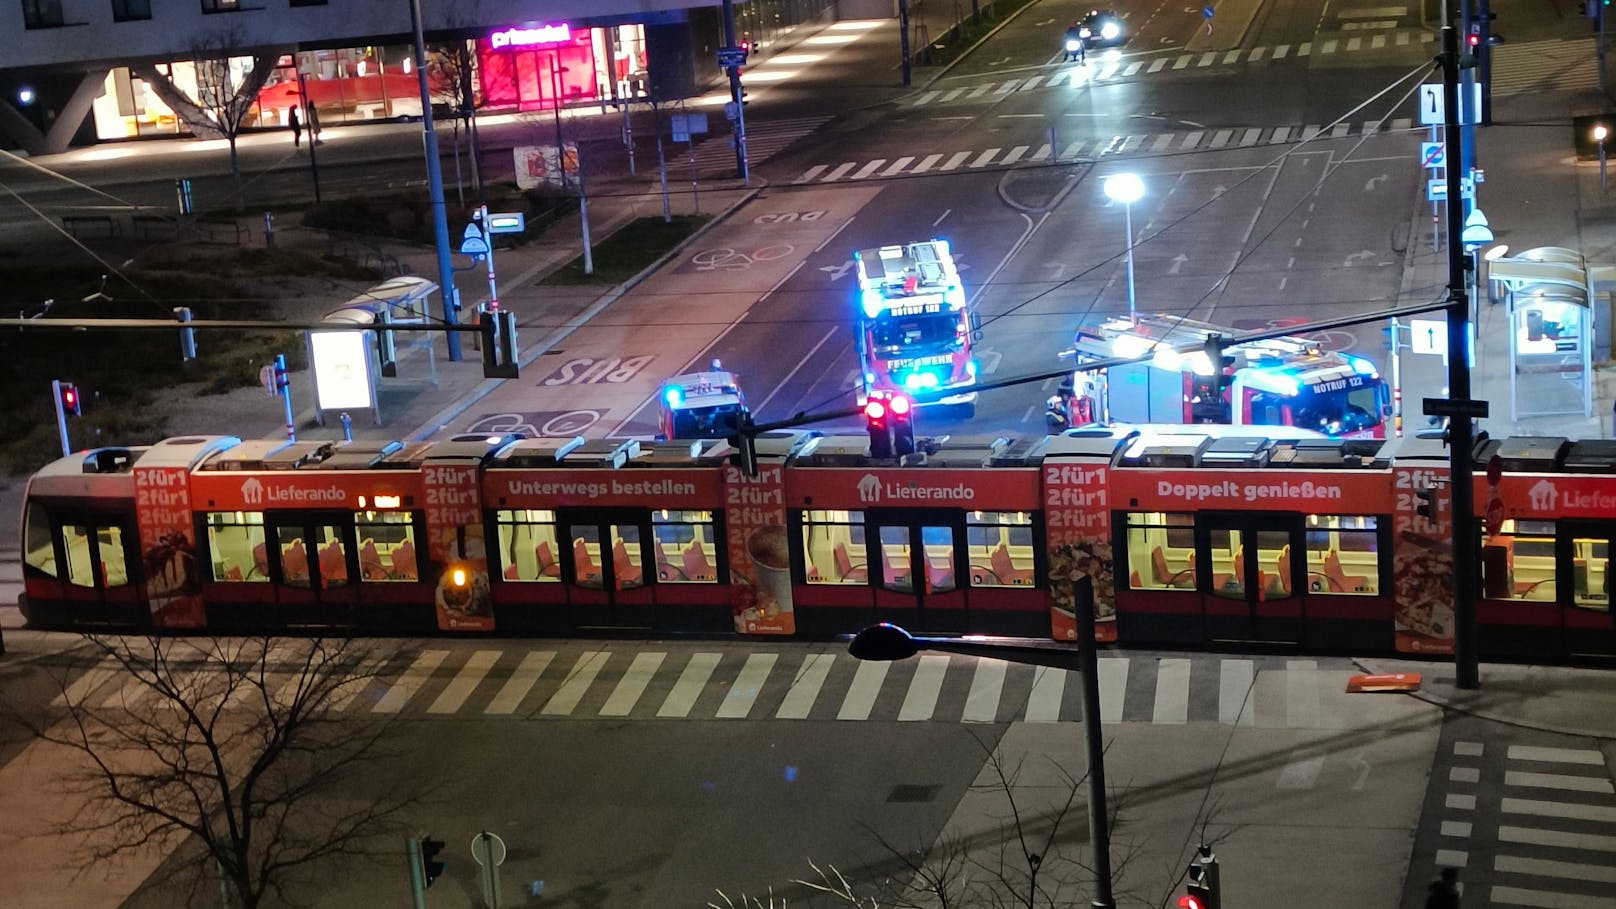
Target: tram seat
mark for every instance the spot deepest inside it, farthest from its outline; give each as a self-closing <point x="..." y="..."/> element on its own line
<point x="1006" y="570"/>
<point x="845" y="569"/>
<point x="333" y="565"/>
<point x="260" y="560"/>
<point x="1166" y="577"/>
<point x="510" y="572"/>
<point x="370" y="562"/>
<point x="233" y="573"/>
<point x="624" y="572"/>
<point x="1340" y="581"/>
<point x="697" y="568"/>
<point x="547" y="560"/>
<point x="295" y="561"/>
<point x="584" y="567"/>
<point x="665" y="570"/>
<point x="1279" y="583"/>
<point x="404" y="562"/>
<point x="893" y="575"/>
<point x="940" y="577"/>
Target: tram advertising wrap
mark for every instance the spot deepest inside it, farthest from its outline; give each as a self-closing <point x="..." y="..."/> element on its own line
<point x="1192" y="536"/>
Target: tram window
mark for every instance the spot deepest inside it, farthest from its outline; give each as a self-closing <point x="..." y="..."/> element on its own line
<point x="833" y="546"/>
<point x="895" y="558"/>
<point x="685" y="547"/>
<point x="332" y="555"/>
<point x="1343" y="554"/>
<point x="1518" y="562"/>
<point x="1161" y="550"/>
<point x="1590" y="562"/>
<point x="236" y="544"/>
<point x="294" y="556"/>
<point x="999" y="549"/>
<point x="528" y="546"/>
<point x="382" y="536"/>
<point x="37" y="548"/>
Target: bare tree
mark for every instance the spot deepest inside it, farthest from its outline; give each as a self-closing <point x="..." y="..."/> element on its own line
<point x="223" y="98"/>
<point x="233" y="749"/>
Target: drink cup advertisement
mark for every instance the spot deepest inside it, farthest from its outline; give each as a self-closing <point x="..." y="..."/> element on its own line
<point x="759" y="551"/>
<point x="167" y="550"/>
<point x="457" y="550"/>
<point x="1422" y="563"/>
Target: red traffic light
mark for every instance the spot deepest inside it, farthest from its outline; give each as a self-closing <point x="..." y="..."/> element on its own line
<point x="1474" y="39"/>
<point x="875" y="410"/>
<point x="900" y="405"/>
<point x="70" y="399"/>
<point x="1190" y="901"/>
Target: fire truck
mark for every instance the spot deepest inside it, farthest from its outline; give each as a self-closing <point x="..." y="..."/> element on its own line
<point x="1276" y="382"/>
<point x="915" y="328"/>
<point x="700" y="405"/>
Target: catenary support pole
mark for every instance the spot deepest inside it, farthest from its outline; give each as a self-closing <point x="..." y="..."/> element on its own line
<point x="1089" y="668"/>
<point x="735" y="96"/>
<point x="1460" y="430"/>
<point x="434" y="182"/>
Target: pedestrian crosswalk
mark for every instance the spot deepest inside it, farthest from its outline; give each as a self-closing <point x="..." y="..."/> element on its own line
<point x="1101" y="69"/>
<point x="1538" y="66"/>
<point x="1555" y="811"/>
<point x="1209" y="139"/>
<point x="584" y="681"/>
<point x="764" y="139"/>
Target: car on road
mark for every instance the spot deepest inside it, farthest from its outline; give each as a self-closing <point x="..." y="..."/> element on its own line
<point x="1102" y="28"/>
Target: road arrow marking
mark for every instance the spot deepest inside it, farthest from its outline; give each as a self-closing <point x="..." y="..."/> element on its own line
<point x="1369" y="185"/>
<point x="836" y="271"/>
<point x="1366" y="254"/>
<point x="1178" y="262"/>
<point x="1219" y="190"/>
<point x="1060" y="270"/>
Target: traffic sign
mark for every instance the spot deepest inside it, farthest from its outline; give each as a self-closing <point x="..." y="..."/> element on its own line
<point x="488" y="849"/>
<point x="507" y="222"/>
<point x="1427" y="336"/>
<point x="1442" y="407"/>
<point x="474" y="245"/>
<point x="1433" y="109"/>
<point x="1436" y="190"/>
<point x="731" y="56"/>
<point x="1433" y="154"/>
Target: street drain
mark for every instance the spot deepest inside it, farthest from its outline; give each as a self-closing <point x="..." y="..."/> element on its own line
<point x="903" y="793"/>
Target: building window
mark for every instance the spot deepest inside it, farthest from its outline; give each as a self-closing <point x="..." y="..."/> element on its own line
<point x="130" y="10"/>
<point x="220" y="6"/>
<point x="42" y="13"/>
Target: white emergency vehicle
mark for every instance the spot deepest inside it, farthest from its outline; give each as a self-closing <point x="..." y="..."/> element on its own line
<point x="700" y="405"/>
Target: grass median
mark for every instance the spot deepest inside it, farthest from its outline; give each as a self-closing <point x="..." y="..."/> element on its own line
<point x="629" y="251"/>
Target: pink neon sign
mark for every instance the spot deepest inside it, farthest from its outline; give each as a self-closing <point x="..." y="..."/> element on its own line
<point x="529" y="37"/>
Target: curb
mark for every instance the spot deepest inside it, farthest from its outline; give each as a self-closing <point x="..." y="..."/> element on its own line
<point x="976" y="44"/>
<point x="440" y="419"/>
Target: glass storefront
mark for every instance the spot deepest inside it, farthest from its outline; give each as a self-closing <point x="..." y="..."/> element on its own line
<point x="538" y="67"/>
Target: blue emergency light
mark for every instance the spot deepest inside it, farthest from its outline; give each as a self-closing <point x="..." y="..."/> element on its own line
<point x="674" y="395"/>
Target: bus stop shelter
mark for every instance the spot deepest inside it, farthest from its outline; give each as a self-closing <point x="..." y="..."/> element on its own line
<point x="1550" y="306"/>
<point x="346" y="365"/>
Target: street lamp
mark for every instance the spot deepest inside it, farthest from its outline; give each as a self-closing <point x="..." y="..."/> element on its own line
<point x="1600" y="132"/>
<point x="1127" y="189"/>
<point x="887" y="642"/>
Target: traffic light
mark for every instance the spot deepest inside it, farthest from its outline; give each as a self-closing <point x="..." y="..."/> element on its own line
<point x="903" y="425"/>
<point x="1202" y="891"/>
<point x="878" y="420"/>
<point x="431" y="867"/>
<point x="1474" y="38"/>
<point x="1427" y="503"/>
<point x="71" y="402"/>
<point x="498" y="343"/>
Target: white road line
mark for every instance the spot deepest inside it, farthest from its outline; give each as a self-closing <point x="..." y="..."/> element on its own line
<point x="1540" y="808"/>
<point x="1340" y="130"/>
<point x="920" y="701"/>
<point x="1575" y="871"/>
<point x="980" y="91"/>
<point x="1586" y="842"/>
<point x="1281" y="51"/>
<point x="577" y="683"/>
<point x="1221" y="138"/>
<point x="1192" y="139"/>
<point x="1354" y="44"/>
<point x="788" y="376"/>
<point x="1328" y="47"/>
<point x="955" y="160"/>
<point x="410" y="681"/>
<point x="1517" y="896"/>
<point x="1377" y="42"/>
<point x="632" y="685"/>
<point x="1044" y="701"/>
<point x="1280" y="136"/>
<point x="985" y="157"/>
<point x="688" y="688"/>
<point x="1256" y="55"/>
<point x="1459" y="829"/>
<point x="1302" y="693"/>
<point x="1156" y="66"/>
<point x="1305" y="49"/>
<point x="924" y="99"/>
<point x="465" y="681"/>
<point x="1182" y="62"/>
<point x="1231" y="57"/>
<point x="1133" y="69"/>
<point x="743" y="694"/>
<point x="1008" y="86"/>
<point x="897" y="166"/>
<point x="860" y="699"/>
<point x="1161" y="142"/>
<point x="1458" y="801"/>
<point x="1172" y="693"/>
<point x="1556" y="755"/>
<point x="1207" y="58"/>
<point x="840" y="172"/>
<point x="869" y="168"/>
<point x="1015" y="154"/>
<point x="926" y="164"/>
<point x="356" y="682"/>
<point x="987" y="685"/>
<point x="82" y="687"/>
<point x="805" y="688"/>
<point x="1113" y="674"/>
<point x="949" y="96"/>
<point x="1557" y="781"/>
<point x="1234" y="689"/>
<point x="1073" y="150"/>
<point x="1031" y="83"/>
<point x="1250" y="137"/>
<point x="1042" y="154"/>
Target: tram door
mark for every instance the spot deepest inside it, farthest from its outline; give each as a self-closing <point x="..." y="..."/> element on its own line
<point x="604" y="566"/>
<point x="1586" y="547"/>
<point x="1251" y="585"/>
<point x="99" y="572"/>
<point x="314" y="565"/>
<point x="913" y="557"/>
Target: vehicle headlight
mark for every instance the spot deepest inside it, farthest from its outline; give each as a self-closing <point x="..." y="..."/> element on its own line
<point x="1110" y="31"/>
<point x="1085" y="33"/>
<point x="1073" y="44"/>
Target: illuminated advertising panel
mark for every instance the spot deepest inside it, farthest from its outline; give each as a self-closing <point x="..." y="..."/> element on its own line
<point x="1077" y="518"/>
<point x="341" y="362"/>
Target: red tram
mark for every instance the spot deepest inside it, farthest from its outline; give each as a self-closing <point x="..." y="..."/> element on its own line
<point x="1192" y="537"/>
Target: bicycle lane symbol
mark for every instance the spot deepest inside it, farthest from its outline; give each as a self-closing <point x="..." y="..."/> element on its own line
<point x="725" y="258"/>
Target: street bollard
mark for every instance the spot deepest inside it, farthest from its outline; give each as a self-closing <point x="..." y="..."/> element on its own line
<point x="347" y="427"/>
<point x="269" y="229"/>
<point x="182" y="188"/>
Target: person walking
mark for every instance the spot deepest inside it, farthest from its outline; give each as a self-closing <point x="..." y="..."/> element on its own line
<point x="297" y="127"/>
<point x="314" y="126"/>
<point x="1444" y="891"/>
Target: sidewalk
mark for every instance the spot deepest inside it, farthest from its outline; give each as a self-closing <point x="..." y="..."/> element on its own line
<point x="1551" y="698"/>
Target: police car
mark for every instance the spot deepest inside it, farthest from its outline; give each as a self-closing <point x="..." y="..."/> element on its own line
<point x="701" y="405"/>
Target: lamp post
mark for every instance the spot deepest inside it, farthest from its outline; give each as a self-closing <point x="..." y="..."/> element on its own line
<point x="887" y="642"/>
<point x="1127" y="189"/>
<point x="1600" y="132"/>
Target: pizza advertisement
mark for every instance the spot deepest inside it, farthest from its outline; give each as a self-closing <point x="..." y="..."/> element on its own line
<point x="1422" y="562"/>
<point x="167" y="548"/>
<point x="1079" y="545"/>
